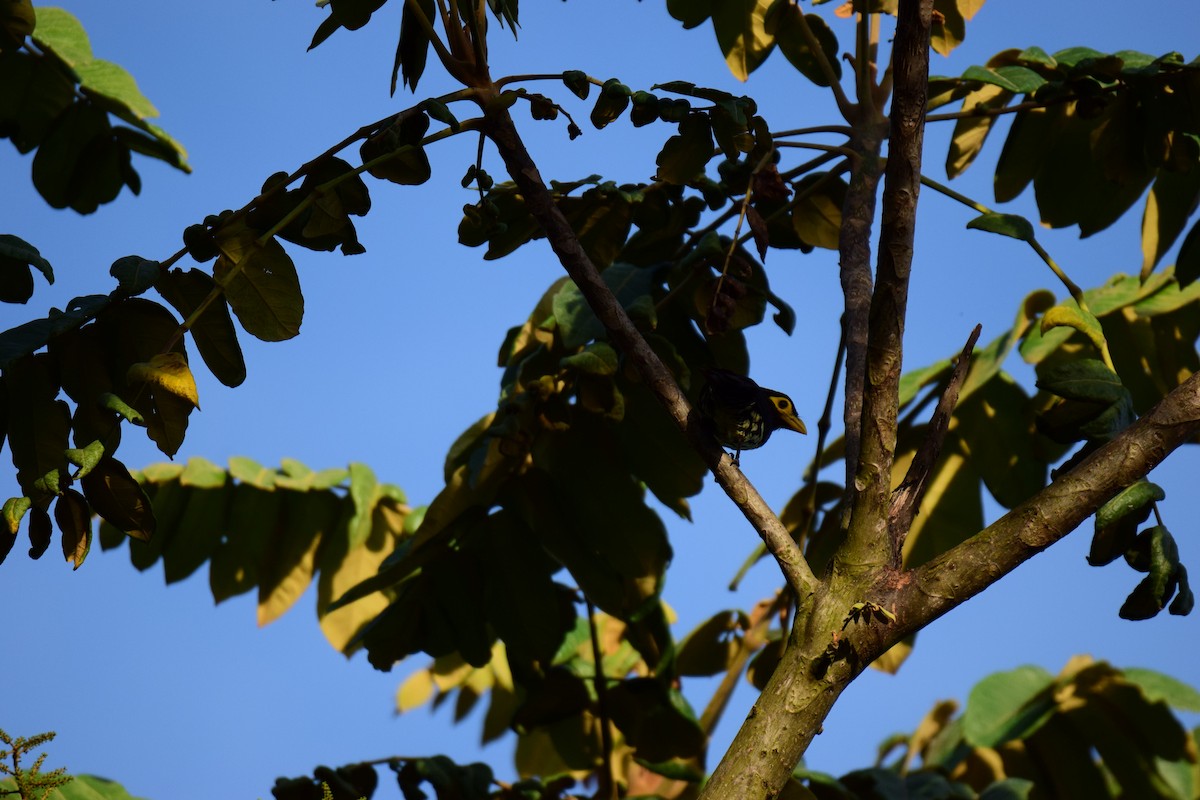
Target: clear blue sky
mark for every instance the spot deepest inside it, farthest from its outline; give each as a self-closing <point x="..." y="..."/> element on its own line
<point x="155" y="688"/>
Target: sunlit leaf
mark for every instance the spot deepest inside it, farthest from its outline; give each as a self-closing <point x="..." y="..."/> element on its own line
<point x="971" y="131"/>
<point x="742" y="34"/>
<point x="1008" y="705"/>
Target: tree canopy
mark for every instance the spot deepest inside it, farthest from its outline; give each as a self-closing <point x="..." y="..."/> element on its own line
<point x="583" y="451"/>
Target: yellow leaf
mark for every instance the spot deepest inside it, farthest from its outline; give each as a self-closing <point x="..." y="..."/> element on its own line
<point x="742" y="34"/>
<point x="355" y="566"/>
<point x="280" y="597"/>
<point x="415" y="691"/>
<point x="168" y="372"/>
<point x="970" y="132"/>
<point x="968" y="8"/>
<point x="1071" y="316"/>
<point x="817" y="220"/>
<point x="896" y="655"/>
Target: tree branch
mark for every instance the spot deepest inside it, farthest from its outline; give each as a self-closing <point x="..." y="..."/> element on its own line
<point x="907" y="497"/>
<point x="966" y="570"/>
<point x="867" y="540"/>
<point x="625" y="336"/>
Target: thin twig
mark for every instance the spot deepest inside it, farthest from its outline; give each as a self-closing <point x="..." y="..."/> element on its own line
<point x="607" y="787"/>
<point x="907" y="497"/>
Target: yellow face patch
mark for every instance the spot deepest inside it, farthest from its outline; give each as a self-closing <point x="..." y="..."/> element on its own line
<point x="787" y="413"/>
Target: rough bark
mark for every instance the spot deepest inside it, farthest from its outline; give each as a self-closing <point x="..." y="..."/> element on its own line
<point x="867" y="541"/>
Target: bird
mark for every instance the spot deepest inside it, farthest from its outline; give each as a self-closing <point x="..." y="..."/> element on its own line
<point x="744" y="414"/>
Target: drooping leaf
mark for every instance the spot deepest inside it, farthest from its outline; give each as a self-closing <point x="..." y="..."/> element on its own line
<point x="709" y="649"/>
<point x="691" y="12"/>
<point x="783" y="22"/>
<point x="611" y="102"/>
<point x="1171" y="200"/>
<point x="1118" y="519"/>
<point x="38" y="428"/>
<point x="167" y="372"/>
<point x="971" y="131"/>
<point x="683" y="156"/>
<point x="119" y="499"/>
<point x="1008" y="705"/>
<point x="742" y="34"/>
<point x="212" y="331"/>
<point x="261" y="285"/>
<point x="16" y="278"/>
<point x="412" y="48"/>
<point x="1070" y="315"/>
<point x="74" y="519"/>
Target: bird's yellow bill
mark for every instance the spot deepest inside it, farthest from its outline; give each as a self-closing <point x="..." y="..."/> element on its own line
<point x="792" y="422"/>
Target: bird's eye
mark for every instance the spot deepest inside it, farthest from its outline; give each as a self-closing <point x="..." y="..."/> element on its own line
<point x="783" y="405"/>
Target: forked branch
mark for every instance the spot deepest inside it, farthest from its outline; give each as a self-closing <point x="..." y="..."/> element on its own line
<point x="629" y="341"/>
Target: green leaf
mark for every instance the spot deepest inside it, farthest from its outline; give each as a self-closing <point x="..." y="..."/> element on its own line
<point x="1024" y="150"/>
<point x="577" y="325"/>
<point x="74" y="519"/>
<point x="1008" y="705"/>
<point x="1154" y="551"/>
<point x="1158" y="687"/>
<point x="412" y="48"/>
<point x="578" y="487"/>
<point x="1008" y="789"/>
<point x="1118" y="519"/>
<point x="38" y="429"/>
<point x="1070" y="315"/>
<point x="710" y="648"/>
<point x="62" y="33"/>
<point x="111" y="402"/>
<point x="577" y="81"/>
<point x="1004" y="224"/>
<point x="684" y="156"/>
<point x="16" y="279"/>
<point x="529" y="612"/>
<point x="119" y="499"/>
<point x="86" y="458"/>
<point x="80" y="165"/>
<point x="261" y="285"/>
<point x="1026" y="80"/>
<point x="364" y="491"/>
<point x="598" y="358"/>
<point x="611" y="102"/>
<point x="1085" y="379"/>
<point x="135" y="274"/>
<point x="212" y="331"/>
<point x="112" y="82"/>
<point x="82" y="787"/>
<point x="645" y="712"/>
<point x="991" y="76"/>
<point x="784" y="23"/>
<point x="691" y="12"/>
<point x="438" y="110"/>
<point x="14" y="509"/>
<point x="1187" y="263"/>
<point x="1094" y="168"/>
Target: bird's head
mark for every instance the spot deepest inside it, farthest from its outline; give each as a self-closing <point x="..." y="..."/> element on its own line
<point x="785" y="409"/>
